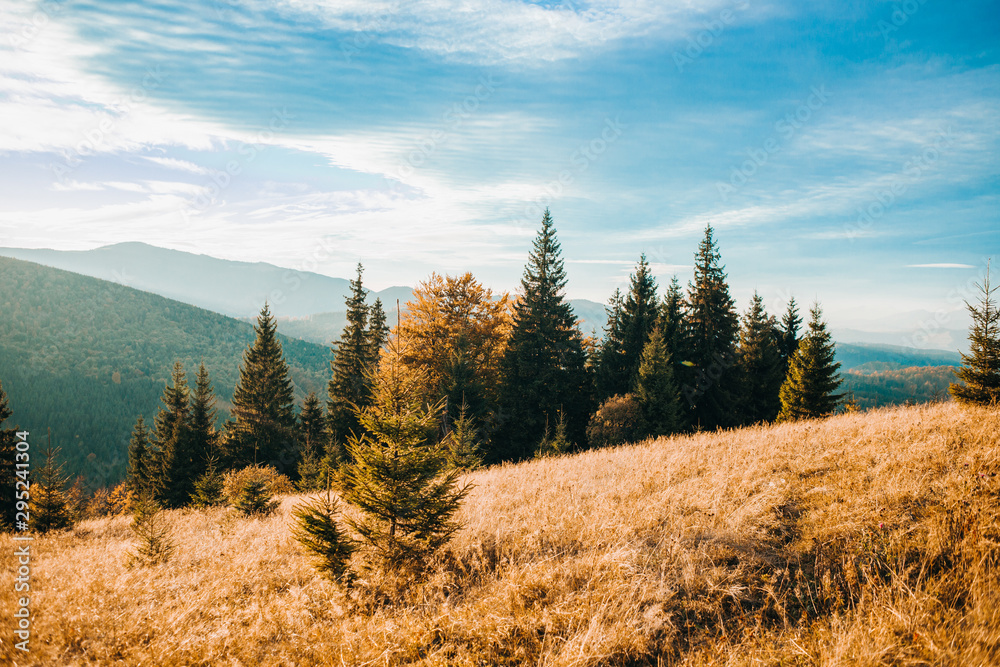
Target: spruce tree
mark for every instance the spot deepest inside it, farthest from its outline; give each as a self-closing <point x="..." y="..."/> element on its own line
<point x="789" y="333"/>
<point x="980" y="371"/>
<point x="639" y="315"/>
<point x="208" y="488"/>
<point x="262" y="428"/>
<point x="176" y="466"/>
<point x="761" y="367"/>
<point x="809" y="390"/>
<point x="671" y="320"/>
<point x="554" y="443"/>
<point x="313" y="438"/>
<point x="711" y="328"/>
<point x="463" y="442"/>
<point x="151" y="529"/>
<point x="8" y="477"/>
<point x="400" y="481"/>
<point x="378" y="332"/>
<point x="656" y="389"/>
<point x="544" y="365"/>
<point x="49" y="505"/>
<point x="612" y="364"/>
<point x="355" y="352"/>
<point x="316" y="529"/>
<point x="142" y="472"/>
<point x="204" y="437"/>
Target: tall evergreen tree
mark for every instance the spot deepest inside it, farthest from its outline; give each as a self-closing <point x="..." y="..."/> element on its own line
<point x="177" y="467"/>
<point x="8" y="477"/>
<point x="262" y="428"/>
<point x="142" y="472"/>
<point x="809" y="390"/>
<point x="761" y="368"/>
<point x="378" y="331"/>
<point x="544" y="365"/>
<point x="980" y="371"/>
<point x="711" y="328"/>
<point x="204" y="437"/>
<point x="612" y="365"/>
<point x="656" y="390"/>
<point x="49" y="505"/>
<point x="789" y="333"/>
<point x="671" y="319"/>
<point x="638" y="317"/>
<point x="355" y="352"/>
<point x="313" y="436"/>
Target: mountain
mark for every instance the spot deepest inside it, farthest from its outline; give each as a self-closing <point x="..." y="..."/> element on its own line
<point x="237" y="289"/>
<point x="85" y="357"/>
<point x="853" y="356"/>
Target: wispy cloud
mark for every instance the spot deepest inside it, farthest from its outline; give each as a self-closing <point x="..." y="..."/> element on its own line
<point x="940" y="266"/>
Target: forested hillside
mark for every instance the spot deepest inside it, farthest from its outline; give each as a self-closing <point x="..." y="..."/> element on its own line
<point x="86" y="356"/>
<point x="884" y="385"/>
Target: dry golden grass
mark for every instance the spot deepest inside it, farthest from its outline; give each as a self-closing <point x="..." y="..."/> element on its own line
<point x="866" y="539"/>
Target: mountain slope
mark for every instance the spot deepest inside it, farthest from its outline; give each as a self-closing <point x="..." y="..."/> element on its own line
<point x="237" y="289"/>
<point x="86" y="357"/>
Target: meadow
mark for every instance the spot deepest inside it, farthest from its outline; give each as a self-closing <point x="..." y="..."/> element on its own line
<point x="868" y="538"/>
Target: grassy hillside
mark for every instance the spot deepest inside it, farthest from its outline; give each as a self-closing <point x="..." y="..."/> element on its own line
<point x="86" y="357"/>
<point x="865" y="539"/>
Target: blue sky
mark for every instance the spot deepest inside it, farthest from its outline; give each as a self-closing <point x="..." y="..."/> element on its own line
<point x="846" y="152"/>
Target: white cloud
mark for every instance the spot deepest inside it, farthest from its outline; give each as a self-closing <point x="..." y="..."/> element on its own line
<point x="940" y="266"/>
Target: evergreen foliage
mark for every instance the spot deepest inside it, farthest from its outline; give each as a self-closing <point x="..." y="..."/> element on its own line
<point x="313" y="439"/>
<point x="254" y="498"/>
<point x="789" y="333"/>
<point x="463" y="443"/>
<point x="980" y="371"/>
<point x="262" y="428"/>
<point x="142" y="474"/>
<point x="152" y="531"/>
<point x="544" y="365"/>
<point x="8" y="478"/>
<point x="671" y="320"/>
<point x="761" y="367"/>
<point x="208" y="488"/>
<point x="204" y="438"/>
<point x="809" y="389"/>
<point x="711" y="328"/>
<point x="402" y="484"/>
<point x="316" y="529"/>
<point x="355" y="354"/>
<point x="656" y="389"/>
<point x="612" y="365"/>
<point x="630" y="321"/>
<point x="554" y="444"/>
<point x="176" y="467"/>
<point x="49" y="505"/>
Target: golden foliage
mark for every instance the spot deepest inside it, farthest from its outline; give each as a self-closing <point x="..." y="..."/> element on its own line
<point x="863" y="539"/>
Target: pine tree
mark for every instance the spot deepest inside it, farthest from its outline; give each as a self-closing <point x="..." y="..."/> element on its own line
<point x="204" y="438"/>
<point x="208" y="487"/>
<point x="142" y="471"/>
<point x="151" y="529"/>
<point x="789" y="333"/>
<point x="8" y="477"/>
<point x="808" y="391"/>
<point x="176" y="465"/>
<point x="262" y="428"/>
<point x="401" y="483"/>
<point x="316" y="529"/>
<point x="656" y="390"/>
<point x="313" y="437"/>
<point x="761" y="366"/>
<point x="708" y="384"/>
<point x="356" y="353"/>
<point x="612" y="364"/>
<point x="671" y="319"/>
<point x="638" y="318"/>
<point x="463" y="443"/>
<point x="554" y="444"/>
<point x="980" y="371"/>
<point x="254" y="498"/>
<point x="49" y="505"/>
<point x="544" y="365"/>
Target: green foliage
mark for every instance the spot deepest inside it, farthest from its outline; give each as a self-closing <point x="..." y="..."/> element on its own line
<point x="263" y="427"/>
<point x="980" y="371"/>
<point x="872" y="385"/>
<point x="788" y="334"/>
<point x="254" y="499"/>
<point x="671" y="319"/>
<point x="402" y="483"/>
<point x="313" y="438"/>
<point x="251" y="490"/>
<point x="355" y="355"/>
<point x="8" y="443"/>
<point x="204" y="438"/>
<point x="630" y="322"/>
<point x="808" y="391"/>
<point x="554" y="444"/>
<point x="176" y="467"/>
<point x="710" y="335"/>
<point x="617" y="421"/>
<point x="761" y="367"/>
<point x="465" y="451"/>
<point x="544" y="366"/>
<point x="87" y="356"/>
<point x="49" y="505"/>
<point x="656" y="390"/>
<point x="316" y="529"/>
<point x="142" y="472"/>
<point x="150" y="528"/>
<point x="208" y="488"/>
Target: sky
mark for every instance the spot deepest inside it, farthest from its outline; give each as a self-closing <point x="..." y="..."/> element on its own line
<point x="844" y="152"/>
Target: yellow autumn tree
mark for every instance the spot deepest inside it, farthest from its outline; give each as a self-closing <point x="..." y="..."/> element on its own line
<point x="456" y="331"/>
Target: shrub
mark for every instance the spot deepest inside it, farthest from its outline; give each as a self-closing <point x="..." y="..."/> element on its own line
<point x="234" y="481"/>
<point x="150" y="527"/>
<point x="317" y="531"/>
<point x="617" y="421"/>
